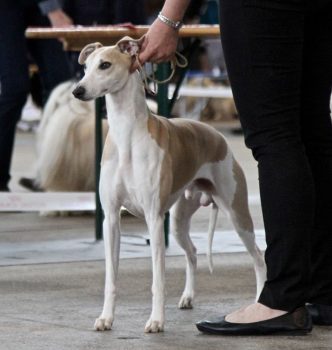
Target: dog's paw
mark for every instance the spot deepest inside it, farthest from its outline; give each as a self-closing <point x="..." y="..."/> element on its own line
<point x="186" y="302"/>
<point x="153" y="326"/>
<point x="103" y="324"/>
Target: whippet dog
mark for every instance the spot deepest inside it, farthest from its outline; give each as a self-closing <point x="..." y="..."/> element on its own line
<point x="151" y="164"/>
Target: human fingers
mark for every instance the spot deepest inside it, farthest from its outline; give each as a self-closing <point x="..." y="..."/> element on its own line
<point x="159" y="45"/>
<point x="59" y="19"/>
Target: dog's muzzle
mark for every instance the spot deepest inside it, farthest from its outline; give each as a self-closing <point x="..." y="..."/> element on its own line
<point x="79" y="92"/>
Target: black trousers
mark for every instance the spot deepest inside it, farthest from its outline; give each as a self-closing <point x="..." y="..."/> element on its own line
<point x="279" y="59"/>
<point x="14" y="71"/>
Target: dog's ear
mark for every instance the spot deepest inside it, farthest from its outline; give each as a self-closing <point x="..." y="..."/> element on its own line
<point x="87" y="50"/>
<point x="130" y="46"/>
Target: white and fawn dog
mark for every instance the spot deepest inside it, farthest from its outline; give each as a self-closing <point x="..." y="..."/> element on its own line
<point x="151" y="164"/>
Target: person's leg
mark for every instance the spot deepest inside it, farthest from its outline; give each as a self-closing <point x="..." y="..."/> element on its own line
<point x="317" y="136"/>
<point x="263" y="46"/>
<point x="14" y="83"/>
<point x="49" y="55"/>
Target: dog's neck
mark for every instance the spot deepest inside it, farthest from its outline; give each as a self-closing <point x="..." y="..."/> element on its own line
<point x="127" y="112"/>
<point x="128" y="104"/>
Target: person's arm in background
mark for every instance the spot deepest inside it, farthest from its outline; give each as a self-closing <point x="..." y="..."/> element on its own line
<point x="161" y="39"/>
<point x="57" y="17"/>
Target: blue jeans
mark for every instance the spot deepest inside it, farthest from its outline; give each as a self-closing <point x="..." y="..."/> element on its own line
<point x="279" y="59"/>
<point x="14" y="72"/>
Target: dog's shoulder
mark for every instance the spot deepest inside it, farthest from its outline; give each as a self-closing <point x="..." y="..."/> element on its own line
<point x="159" y="129"/>
<point x="204" y="135"/>
<point x="184" y="134"/>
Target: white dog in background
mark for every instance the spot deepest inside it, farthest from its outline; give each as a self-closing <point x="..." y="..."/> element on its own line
<point x="65" y="146"/>
<point x="65" y="143"/>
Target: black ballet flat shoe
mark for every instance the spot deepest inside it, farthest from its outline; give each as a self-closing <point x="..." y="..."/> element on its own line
<point x="297" y="322"/>
<point x="321" y="314"/>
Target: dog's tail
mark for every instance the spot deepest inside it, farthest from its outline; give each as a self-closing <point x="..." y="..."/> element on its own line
<point x="212" y="226"/>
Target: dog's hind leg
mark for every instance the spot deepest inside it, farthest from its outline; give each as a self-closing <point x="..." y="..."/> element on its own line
<point x="111" y="227"/>
<point x="236" y="204"/>
<point x="247" y="235"/>
<point x="181" y="213"/>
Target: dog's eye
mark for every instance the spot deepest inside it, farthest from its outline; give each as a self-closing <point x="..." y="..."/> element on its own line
<point x="84" y="66"/>
<point x="104" y="65"/>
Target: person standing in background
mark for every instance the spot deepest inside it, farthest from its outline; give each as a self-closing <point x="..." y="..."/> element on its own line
<point x="15" y="17"/>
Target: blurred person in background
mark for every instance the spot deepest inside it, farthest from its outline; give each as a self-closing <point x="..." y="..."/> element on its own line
<point x="15" y="17"/>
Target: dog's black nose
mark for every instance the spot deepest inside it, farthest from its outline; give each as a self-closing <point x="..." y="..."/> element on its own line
<point x="79" y="92"/>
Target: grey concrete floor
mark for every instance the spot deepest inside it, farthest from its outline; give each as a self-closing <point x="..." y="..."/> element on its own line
<point x="53" y="305"/>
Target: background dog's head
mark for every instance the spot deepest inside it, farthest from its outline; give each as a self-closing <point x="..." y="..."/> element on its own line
<point x="106" y="68"/>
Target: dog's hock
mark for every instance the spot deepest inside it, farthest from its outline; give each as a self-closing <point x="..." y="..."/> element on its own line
<point x="87" y="51"/>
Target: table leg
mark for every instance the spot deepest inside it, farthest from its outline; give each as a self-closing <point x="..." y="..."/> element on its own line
<point x="163" y="72"/>
<point x="98" y="150"/>
<point x="189" y="53"/>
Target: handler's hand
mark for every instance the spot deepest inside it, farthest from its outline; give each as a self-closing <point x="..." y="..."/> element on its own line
<point x="59" y="19"/>
<point x="159" y="44"/>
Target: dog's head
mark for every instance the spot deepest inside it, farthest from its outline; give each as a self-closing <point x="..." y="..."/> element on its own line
<point x="106" y="68"/>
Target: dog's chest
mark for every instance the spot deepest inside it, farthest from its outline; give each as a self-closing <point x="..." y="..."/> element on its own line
<point x="138" y="194"/>
<point x="132" y="173"/>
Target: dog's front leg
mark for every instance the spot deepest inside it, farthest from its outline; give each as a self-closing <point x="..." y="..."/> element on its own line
<point x="156" y="321"/>
<point x="111" y="229"/>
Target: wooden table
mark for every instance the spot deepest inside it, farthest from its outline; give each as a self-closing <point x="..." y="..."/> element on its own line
<point x="76" y="37"/>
